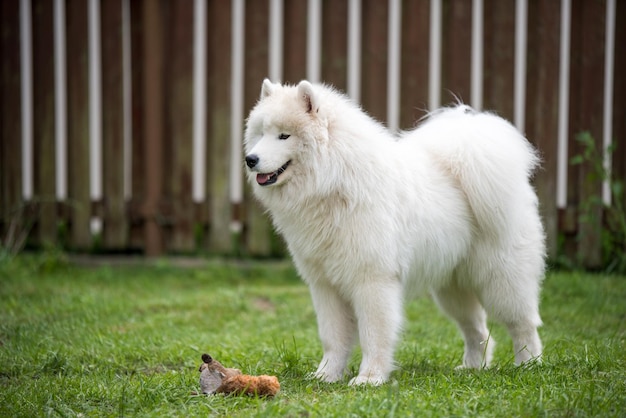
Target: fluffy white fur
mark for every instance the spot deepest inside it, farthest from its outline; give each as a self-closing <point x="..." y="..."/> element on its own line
<point x="371" y="218"/>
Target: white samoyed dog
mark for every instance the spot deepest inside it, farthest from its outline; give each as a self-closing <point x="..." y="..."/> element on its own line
<point x="371" y="218"/>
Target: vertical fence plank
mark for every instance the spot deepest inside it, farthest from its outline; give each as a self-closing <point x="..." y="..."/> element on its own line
<point x="542" y="107"/>
<point x="138" y="163"/>
<point x="10" y="116"/>
<point x="180" y="80"/>
<point x="414" y="62"/>
<point x="499" y="56"/>
<point x="115" y="232"/>
<point x="258" y="228"/>
<point x="218" y="127"/>
<point x="586" y="84"/>
<point x="78" y="125"/>
<point x="334" y="43"/>
<point x="374" y="59"/>
<point x="153" y="133"/>
<point x="165" y="206"/>
<point x="43" y="120"/>
<point x="619" y="99"/>
<point x="294" y="47"/>
<point x="457" y="51"/>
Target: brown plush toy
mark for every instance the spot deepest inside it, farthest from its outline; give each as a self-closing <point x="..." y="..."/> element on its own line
<point x="215" y="378"/>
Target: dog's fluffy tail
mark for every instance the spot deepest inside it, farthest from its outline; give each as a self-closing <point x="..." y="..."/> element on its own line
<point x="492" y="162"/>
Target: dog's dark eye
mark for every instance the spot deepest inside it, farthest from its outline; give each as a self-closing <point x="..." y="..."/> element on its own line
<point x="283" y="136"/>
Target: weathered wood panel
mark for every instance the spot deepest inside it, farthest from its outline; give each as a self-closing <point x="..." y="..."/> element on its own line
<point x="499" y="53"/>
<point x="619" y="100"/>
<point x="294" y="47"/>
<point x="10" y="117"/>
<point x="154" y="24"/>
<point x="587" y="81"/>
<point x="414" y="62"/>
<point x="457" y="47"/>
<point x="78" y="125"/>
<point x="542" y="107"/>
<point x="115" y="228"/>
<point x="180" y="80"/>
<point x="218" y="128"/>
<point x="334" y="43"/>
<point x="374" y="58"/>
<point x="258" y="229"/>
<point x="43" y="121"/>
<point x="138" y="162"/>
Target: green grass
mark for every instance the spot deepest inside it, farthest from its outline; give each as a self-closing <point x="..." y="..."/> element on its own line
<point x="126" y="341"/>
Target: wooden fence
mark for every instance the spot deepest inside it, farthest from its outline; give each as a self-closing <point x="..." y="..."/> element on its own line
<point x="121" y="120"/>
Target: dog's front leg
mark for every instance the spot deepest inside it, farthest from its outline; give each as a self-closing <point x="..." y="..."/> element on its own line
<point x="378" y="308"/>
<point x="337" y="330"/>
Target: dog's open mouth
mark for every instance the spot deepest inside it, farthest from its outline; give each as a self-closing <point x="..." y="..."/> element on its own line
<point x="265" y="179"/>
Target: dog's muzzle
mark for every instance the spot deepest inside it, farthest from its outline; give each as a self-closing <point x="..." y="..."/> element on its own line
<point x="265" y="179"/>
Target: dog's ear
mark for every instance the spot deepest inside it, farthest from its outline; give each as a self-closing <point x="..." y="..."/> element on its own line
<point x="266" y="88"/>
<point x="306" y="93"/>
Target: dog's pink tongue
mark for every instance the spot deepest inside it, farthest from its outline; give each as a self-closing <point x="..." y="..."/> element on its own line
<point x="262" y="178"/>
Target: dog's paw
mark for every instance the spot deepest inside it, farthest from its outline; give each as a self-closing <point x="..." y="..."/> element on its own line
<point x="326" y="377"/>
<point x="367" y="380"/>
<point x="329" y="371"/>
<point x="533" y="361"/>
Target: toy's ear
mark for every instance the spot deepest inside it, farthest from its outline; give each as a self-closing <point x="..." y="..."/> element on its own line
<point x="206" y="358"/>
<point x="267" y="88"/>
<point x="308" y="96"/>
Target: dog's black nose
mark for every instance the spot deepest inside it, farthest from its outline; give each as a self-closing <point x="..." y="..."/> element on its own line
<point x="252" y="160"/>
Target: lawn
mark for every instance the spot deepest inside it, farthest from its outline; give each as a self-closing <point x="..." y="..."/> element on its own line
<point x="127" y="340"/>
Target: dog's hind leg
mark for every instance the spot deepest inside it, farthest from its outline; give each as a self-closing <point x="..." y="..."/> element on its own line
<point x="510" y="293"/>
<point x="526" y="341"/>
<point x="517" y="308"/>
<point x="337" y="330"/>
<point x="378" y="308"/>
<point x="464" y="308"/>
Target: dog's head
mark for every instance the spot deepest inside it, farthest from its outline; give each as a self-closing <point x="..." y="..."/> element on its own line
<point x="282" y="133"/>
